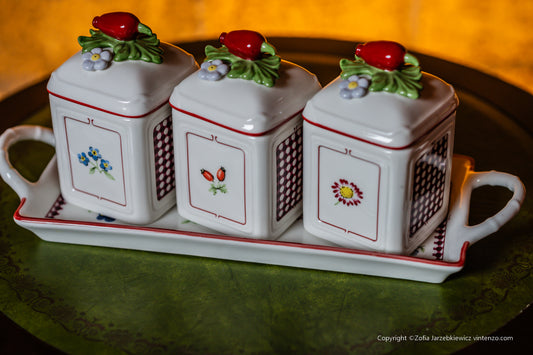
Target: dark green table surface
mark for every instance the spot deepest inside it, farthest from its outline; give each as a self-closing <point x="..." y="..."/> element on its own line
<point x="93" y="300"/>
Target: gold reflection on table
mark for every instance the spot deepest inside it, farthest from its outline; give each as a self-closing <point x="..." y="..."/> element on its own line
<point x="494" y="36"/>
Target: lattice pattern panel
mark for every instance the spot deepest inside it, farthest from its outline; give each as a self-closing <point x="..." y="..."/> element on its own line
<point x="164" y="158"/>
<point x="429" y="178"/>
<point x="289" y="163"/>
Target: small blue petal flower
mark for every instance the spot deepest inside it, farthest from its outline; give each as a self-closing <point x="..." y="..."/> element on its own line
<point x="104" y="164"/>
<point x="83" y="159"/>
<point x="213" y="70"/>
<point x="94" y="153"/>
<point x="354" y="87"/>
<point x="96" y="59"/>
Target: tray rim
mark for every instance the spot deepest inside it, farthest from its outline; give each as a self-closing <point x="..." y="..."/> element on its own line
<point x="25" y="221"/>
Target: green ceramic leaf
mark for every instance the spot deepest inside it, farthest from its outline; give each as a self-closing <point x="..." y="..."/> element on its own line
<point x="263" y="71"/>
<point x="145" y="47"/>
<point x="404" y="81"/>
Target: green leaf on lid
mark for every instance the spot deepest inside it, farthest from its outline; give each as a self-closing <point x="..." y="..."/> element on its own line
<point x="405" y="81"/>
<point x="144" y="47"/>
<point x="263" y="71"/>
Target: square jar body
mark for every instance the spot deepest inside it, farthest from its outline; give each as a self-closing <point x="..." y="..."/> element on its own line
<point x="249" y="186"/>
<point x="364" y="196"/>
<point x="238" y="148"/>
<point x="117" y="166"/>
<point x="377" y="168"/>
<point x="113" y="130"/>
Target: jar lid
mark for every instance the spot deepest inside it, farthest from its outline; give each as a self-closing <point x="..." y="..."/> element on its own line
<point x="131" y="88"/>
<point x="245" y="106"/>
<point x="382" y="118"/>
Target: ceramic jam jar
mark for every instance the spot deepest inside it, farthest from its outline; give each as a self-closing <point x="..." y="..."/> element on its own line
<point x="378" y="143"/>
<point x="112" y="121"/>
<point x="238" y="138"/>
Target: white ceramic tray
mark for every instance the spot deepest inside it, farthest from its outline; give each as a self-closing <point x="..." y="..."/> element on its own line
<point x="43" y="212"/>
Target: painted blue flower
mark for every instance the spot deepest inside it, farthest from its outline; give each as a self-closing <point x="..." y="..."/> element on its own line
<point x="355" y="86"/>
<point x="104" y="164"/>
<point x="83" y="159"/>
<point x="96" y="59"/>
<point x="101" y="217"/>
<point x="94" y="153"/>
<point x="213" y="70"/>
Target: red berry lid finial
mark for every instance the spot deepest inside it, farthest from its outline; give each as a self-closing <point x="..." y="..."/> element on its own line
<point x="387" y="66"/>
<point x="246" y="44"/>
<point x="386" y="55"/>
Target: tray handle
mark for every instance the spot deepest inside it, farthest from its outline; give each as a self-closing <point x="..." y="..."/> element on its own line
<point x="458" y="225"/>
<point x="11" y="136"/>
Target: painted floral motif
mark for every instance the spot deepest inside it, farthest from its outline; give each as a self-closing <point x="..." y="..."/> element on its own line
<point x="82" y="157"/>
<point x="94" y="153"/>
<point x="98" y="164"/>
<point x="104" y="165"/>
<point x="347" y="192"/>
<point x="96" y="59"/>
<point x="216" y="181"/>
<point x="213" y="70"/>
<point x="354" y="87"/>
<point x="101" y="217"/>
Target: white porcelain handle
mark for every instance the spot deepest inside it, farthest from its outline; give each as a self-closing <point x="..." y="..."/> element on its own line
<point x="11" y="136"/>
<point x="458" y="225"/>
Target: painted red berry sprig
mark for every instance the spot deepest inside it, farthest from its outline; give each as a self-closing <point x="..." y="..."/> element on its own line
<point x="246" y="44"/>
<point x="216" y="186"/>
<point x="386" y="55"/>
<point x="207" y="175"/>
<point x="221" y="174"/>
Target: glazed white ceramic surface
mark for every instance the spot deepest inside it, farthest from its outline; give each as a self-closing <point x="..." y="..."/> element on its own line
<point x="122" y="113"/>
<point x="384" y="119"/>
<point x="243" y="105"/>
<point x="130" y="88"/>
<point x="391" y="155"/>
<point x="250" y="133"/>
<point x="44" y="212"/>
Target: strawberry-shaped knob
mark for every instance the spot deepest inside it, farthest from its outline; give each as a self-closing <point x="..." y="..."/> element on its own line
<point x="123" y="26"/>
<point x="386" y="55"/>
<point x="246" y="44"/>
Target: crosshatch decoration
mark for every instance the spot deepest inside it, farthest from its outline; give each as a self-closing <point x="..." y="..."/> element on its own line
<point x="289" y="163"/>
<point x="428" y="190"/>
<point x="438" y="248"/>
<point x="56" y="207"/>
<point x="164" y="158"/>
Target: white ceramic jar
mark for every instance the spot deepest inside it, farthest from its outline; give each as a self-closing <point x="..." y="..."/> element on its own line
<point x="112" y="121"/>
<point x="377" y="164"/>
<point x="238" y="142"/>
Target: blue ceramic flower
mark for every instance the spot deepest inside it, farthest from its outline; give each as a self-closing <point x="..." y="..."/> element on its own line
<point x="353" y="87"/>
<point x="83" y="159"/>
<point x="96" y="59"/>
<point x="213" y="70"/>
<point x="104" y="164"/>
<point x="94" y="153"/>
